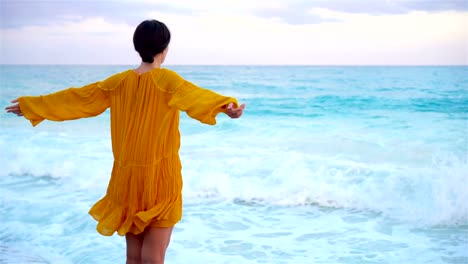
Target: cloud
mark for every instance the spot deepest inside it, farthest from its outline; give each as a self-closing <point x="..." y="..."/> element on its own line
<point x="18" y="13"/>
<point x="296" y="11"/>
<point x="232" y="33"/>
<point x="87" y="41"/>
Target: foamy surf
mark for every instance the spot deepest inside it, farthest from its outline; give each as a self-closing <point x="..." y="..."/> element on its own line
<point x="328" y="165"/>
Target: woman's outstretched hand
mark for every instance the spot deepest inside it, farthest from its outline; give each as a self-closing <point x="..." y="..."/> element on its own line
<point x="234" y="112"/>
<point x="14" y="108"/>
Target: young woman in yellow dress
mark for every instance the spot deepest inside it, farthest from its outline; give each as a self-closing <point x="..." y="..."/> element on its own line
<point x="144" y="196"/>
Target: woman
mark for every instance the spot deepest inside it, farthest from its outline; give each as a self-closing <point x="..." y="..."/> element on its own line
<point x="144" y="196"/>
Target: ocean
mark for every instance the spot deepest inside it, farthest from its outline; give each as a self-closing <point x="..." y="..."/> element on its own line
<point x="327" y="165"/>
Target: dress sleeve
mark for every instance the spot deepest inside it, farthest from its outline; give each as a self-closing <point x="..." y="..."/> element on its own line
<point x="69" y="104"/>
<point x="199" y="103"/>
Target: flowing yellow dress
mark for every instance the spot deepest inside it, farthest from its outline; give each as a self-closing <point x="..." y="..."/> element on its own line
<point x="145" y="187"/>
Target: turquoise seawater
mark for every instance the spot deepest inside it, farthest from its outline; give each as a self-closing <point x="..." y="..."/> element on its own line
<point x="327" y="165"/>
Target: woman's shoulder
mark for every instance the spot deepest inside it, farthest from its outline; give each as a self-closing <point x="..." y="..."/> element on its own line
<point x="114" y="80"/>
<point x="165" y="73"/>
<point x="167" y="80"/>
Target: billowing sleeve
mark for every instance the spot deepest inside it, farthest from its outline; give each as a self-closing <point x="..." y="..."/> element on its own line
<point x="199" y="103"/>
<point x="72" y="103"/>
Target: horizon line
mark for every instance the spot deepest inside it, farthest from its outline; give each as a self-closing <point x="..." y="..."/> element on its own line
<point x="245" y="65"/>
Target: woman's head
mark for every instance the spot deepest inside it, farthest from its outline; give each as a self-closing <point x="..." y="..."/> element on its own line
<point x="151" y="37"/>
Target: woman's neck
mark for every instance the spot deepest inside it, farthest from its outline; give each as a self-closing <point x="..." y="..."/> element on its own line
<point x="145" y="67"/>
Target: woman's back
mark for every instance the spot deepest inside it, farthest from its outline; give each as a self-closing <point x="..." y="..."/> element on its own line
<point x="144" y="127"/>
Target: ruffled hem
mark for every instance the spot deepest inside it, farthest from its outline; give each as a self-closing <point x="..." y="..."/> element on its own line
<point x="140" y="195"/>
<point x="113" y="218"/>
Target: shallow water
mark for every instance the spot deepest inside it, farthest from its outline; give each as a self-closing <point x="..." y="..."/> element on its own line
<point x="328" y="165"/>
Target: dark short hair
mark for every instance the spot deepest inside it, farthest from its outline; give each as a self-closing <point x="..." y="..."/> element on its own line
<point x="150" y="38"/>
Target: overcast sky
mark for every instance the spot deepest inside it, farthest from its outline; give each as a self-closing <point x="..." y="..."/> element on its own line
<point x="271" y="32"/>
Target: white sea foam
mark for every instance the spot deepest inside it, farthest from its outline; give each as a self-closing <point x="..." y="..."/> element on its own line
<point x="281" y="174"/>
<point x="432" y="195"/>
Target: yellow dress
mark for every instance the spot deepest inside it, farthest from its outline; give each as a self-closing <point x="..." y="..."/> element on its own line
<point x="145" y="187"/>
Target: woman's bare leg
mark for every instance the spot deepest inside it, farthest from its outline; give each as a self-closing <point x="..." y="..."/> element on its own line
<point x="134" y="243"/>
<point x="155" y="243"/>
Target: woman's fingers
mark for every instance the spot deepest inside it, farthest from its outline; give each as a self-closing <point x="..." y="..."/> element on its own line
<point x="235" y="112"/>
<point x="240" y="109"/>
<point x="10" y="108"/>
<point x="15" y="108"/>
